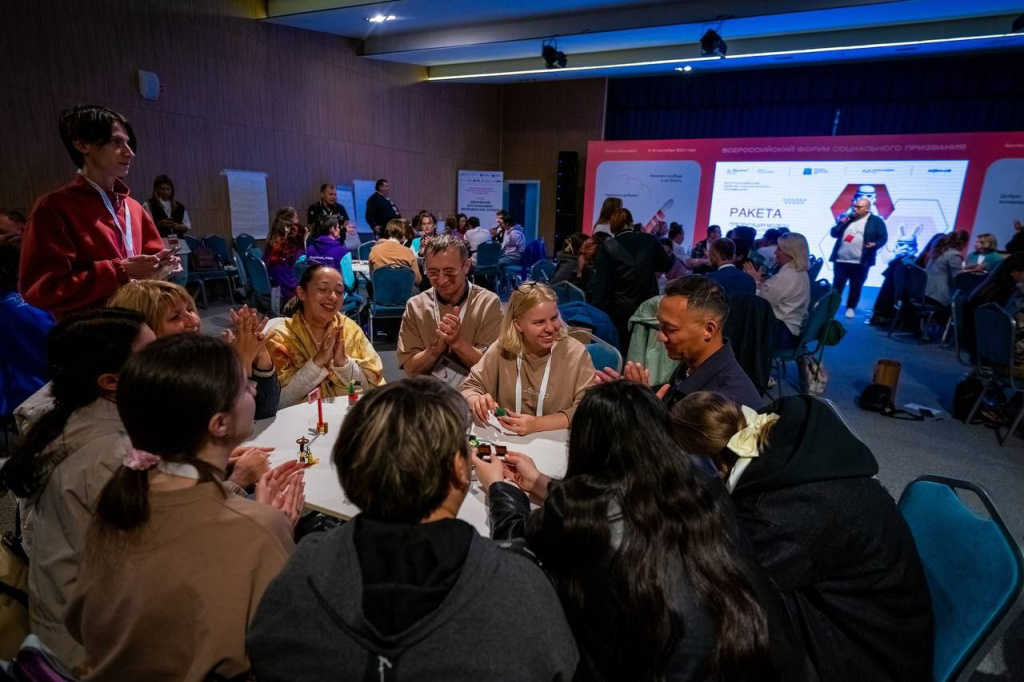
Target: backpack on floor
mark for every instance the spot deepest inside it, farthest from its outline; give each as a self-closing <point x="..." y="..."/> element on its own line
<point x="965" y="395"/>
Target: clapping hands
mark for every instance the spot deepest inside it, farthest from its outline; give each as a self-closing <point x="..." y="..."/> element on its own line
<point x="283" y="488"/>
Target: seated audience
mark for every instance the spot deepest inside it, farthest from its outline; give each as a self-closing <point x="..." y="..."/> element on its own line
<point x="476" y="235"/>
<point x="169" y="309"/>
<point x="23" y="343"/>
<point x="170" y="554"/>
<point x="768" y="244"/>
<point x="513" y="241"/>
<point x="604" y="217"/>
<point x="446" y="329"/>
<point x="945" y="261"/>
<point x="426" y="230"/>
<point x="461" y="225"/>
<point x="984" y="258"/>
<point x="678" y="269"/>
<point x="567" y="261"/>
<point x="406" y="586"/>
<point x="626" y="273"/>
<point x="734" y="281"/>
<point x="1016" y="242"/>
<point x="318" y="346"/>
<point x="451" y="228"/>
<point x="352" y="240"/>
<point x="327" y="206"/>
<point x="677" y="235"/>
<point x="168" y="213"/>
<point x="588" y="261"/>
<point x="641" y="547"/>
<point x="11" y="222"/>
<point x="66" y="457"/>
<point x="535" y="372"/>
<point x="789" y="290"/>
<point x="698" y="262"/>
<point x="327" y="248"/>
<point x="89" y="237"/>
<point x="824" y="528"/>
<point x="391" y="251"/>
<point x="691" y="315"/>
<point x="286" y="241"/>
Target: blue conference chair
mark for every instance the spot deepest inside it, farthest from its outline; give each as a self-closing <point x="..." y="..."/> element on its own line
<point x="820" y="315"/>
<point x="487" y="256"/>
<point x="363" y="253"/>
<point x="542" y="271"/>
<point x="201" y="277"/>
<point x="580" y="315"/>
<point x="243" y="242"/>
<point x="974" y="569"/>
<point x="602" y="353"/>
<point x="567" y="292"/>
<point x="995" y="333"/>
<point x="392" y="288"/>
<point x="259" y="279"/>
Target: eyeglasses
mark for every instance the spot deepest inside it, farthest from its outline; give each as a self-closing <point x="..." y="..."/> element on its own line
<point x="527" y="287"/>
<point x="447" y="274"/>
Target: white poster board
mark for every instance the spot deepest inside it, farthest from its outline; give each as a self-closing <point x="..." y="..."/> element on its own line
<point x="363" y="190"/>
<point x="480" y="194"/>
<point x="347" y="199"/>
<point x="247" y="197"/>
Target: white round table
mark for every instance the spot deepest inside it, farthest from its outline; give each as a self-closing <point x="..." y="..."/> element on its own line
<point x="323" y="490"/>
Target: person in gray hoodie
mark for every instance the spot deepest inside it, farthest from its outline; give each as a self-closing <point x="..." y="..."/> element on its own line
<point x="406" y="591"/>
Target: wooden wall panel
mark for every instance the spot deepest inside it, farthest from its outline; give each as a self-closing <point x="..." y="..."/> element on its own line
<point x="542" y="119"/>
<point x="241" y="94"/>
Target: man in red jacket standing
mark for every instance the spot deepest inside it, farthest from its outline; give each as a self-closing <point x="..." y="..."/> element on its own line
<point x="86" y="239"/>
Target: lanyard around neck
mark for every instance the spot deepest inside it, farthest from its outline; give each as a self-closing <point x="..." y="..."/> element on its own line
<point x="543" y="384"/>
<point x="462" y="311"/>
<point x="126" y="232"/>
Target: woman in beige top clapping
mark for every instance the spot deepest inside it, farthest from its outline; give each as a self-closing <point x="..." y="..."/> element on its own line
<point x="535" y="374"/>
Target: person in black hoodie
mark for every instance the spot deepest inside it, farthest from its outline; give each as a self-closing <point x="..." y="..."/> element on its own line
<point x="567" y="262"/>
<point x="405" y="591"/>
<point x="642" y="550"/>
<point x="824" y="528"/>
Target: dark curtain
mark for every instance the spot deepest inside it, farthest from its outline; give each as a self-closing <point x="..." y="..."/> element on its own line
<point x="940" y="95"/>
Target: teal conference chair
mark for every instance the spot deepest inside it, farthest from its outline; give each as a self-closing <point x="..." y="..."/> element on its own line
<point x="974" y="570"/>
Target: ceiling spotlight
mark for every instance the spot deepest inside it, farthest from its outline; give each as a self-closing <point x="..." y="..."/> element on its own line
<point x="552" y="57"/>
<point x="712" y="45"/>
<point x="380" y="18"/>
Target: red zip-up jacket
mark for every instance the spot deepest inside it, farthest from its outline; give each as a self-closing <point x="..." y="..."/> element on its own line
<point x="72" y="250"/>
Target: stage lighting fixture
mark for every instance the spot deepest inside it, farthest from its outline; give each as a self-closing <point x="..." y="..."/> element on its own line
<point x="686" y="68"/>
<point x="712" y="45"/>
<point x="552" y="57"/>
<point x="380" y="18"/>
<point x="1018" y="24"/>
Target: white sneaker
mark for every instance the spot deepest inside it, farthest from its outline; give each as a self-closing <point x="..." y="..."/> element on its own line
<point x="850" y="313"/>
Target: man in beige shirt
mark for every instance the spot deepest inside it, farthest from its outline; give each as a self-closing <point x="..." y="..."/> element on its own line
<point x="391" y="251"/>
<point x="455" y="319"/>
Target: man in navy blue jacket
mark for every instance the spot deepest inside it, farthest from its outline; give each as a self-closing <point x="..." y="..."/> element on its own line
<point x="729" y="277"/>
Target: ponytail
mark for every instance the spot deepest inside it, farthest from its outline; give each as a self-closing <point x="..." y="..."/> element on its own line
<point x="194" y="376"/>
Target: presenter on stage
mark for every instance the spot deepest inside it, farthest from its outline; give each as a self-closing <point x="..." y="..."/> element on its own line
<point x="859" y="235"/>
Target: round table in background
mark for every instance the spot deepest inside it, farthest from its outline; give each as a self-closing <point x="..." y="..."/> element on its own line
<point x="324" y="492"/>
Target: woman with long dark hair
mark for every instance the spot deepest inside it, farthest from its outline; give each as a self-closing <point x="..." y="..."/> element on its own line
<point x="170" y="553"/>
<point x="637" y="543"/>
<point x="68" y="454"/>
<point x="286" y="241"/>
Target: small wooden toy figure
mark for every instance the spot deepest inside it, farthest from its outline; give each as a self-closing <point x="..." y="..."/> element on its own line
<point x="305" y="453"/>
<point x="501" y="412"/>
